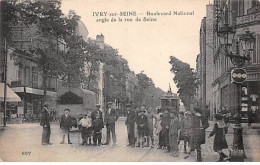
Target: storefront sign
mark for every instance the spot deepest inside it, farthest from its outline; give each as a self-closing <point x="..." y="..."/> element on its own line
<point x="248" y="19"/>
<point x="253" y="77"/>
<point x="18" y="89"/>
<point x="34" y="91"/>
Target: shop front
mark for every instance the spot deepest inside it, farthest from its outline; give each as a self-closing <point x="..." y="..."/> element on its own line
<point x="31" y="104"/>
<point x="253" y="87"/>
<point x="12" y="102"/>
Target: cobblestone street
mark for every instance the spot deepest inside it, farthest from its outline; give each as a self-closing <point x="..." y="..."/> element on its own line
<point x="17" y="139"/>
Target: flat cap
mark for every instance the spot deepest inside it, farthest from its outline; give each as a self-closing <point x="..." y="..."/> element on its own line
<point x="197" y="109"/>
<point x="110" y="103"/>
<point x="46" y="104"/>
<point x="188" y="112"/>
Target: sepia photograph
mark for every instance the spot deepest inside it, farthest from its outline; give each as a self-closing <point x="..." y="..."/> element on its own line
<point x="130" y="81"/>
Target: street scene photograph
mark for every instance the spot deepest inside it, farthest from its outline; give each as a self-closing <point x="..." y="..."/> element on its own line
<point x="129" y="81"/>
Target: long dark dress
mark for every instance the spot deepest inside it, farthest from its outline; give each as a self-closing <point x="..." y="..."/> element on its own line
<point x="220" y="142"/>
<point x="166" y="120"/>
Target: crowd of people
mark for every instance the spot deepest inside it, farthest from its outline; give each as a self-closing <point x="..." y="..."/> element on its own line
<point x="169" y="128"/>
<point x="144" y="128"/>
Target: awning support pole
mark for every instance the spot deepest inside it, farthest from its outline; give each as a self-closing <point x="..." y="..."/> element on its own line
<point x="5" y="80"/>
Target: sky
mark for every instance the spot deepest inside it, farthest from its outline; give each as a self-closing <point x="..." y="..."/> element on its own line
<point x="147" y="46"/>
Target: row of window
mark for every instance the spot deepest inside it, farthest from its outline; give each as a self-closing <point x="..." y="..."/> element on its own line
<point x="23" y="74"/>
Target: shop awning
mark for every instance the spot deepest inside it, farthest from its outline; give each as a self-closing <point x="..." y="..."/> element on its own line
<point x="10" y="95"/>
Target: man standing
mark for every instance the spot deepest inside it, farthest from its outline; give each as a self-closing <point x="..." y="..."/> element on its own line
<point x="45" y="123"/>
<point x="173" y="134"/>
<point x="65" y="125"/>
<point x="95" y="112"/>
<point x="130" y="123"/>
<point x="111" y="116"/>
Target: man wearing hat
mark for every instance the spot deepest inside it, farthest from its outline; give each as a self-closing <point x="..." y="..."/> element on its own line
<point x="111" y="116"/>
<point x="45" y="123"/>
<point x="130" y="123"/>
<point x="95" y="112"/>
<point x="65" y="125"/>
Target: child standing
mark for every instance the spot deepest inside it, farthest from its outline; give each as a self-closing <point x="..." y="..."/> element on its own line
<point x="173" y="134"/>
<point x="187" y="130"/>
<point x="219" y="130"/>
<point x="181" y="121"/>
<point x="150" y="117"/>
<point x="141" y="122"/>
<point x="85" y="125"/>
<point x="97" y="126"/>
<point x="158" y="129"/>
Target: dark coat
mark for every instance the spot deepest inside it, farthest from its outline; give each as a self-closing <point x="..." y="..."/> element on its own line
<point x="94" y="113"/>
<point x="97" y="125"/>
<point x="198" y="126"/>
<point x="142" y="125"/>
<point x="66" y="122"/>
<point x="219" y="130"/>
<point x="166" y="120"/>
<point x="112" y="117"/>
<point x="130" y="118"/>
<point x="45" y="118"/>
<point x="141" y="121"/>
<point x="174" y="127"/>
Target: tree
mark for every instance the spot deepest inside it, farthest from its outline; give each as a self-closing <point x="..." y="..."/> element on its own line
<point x="145" y="93"/>
<point x="52" y="27"/>
<point x="185" y="80"/>
<point x="115" y="76"/>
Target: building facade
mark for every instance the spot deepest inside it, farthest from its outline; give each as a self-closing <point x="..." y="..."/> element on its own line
<point x="25" y="75"/>
<point x="25" y="78"/>
<point x="131" y="83"/>
<point x="241" y="16"/>
<point x="205" y="60"/>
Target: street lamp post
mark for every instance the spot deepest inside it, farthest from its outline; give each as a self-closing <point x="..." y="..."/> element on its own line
<point x="226" y="35"/>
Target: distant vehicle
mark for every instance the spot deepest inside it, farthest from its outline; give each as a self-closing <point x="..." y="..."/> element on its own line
<point x="170" y="101"/>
